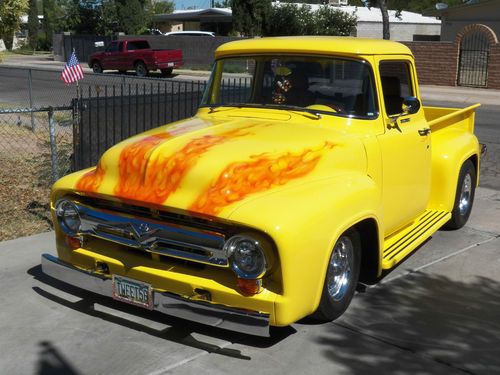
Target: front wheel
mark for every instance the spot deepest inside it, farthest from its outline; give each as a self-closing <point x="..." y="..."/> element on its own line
<point x="167" y="72"/>
<point x="341" y="277"/>
<point x="140" y="69"/>
<point x="96" y="67"/>
<point x="464" y="196"/>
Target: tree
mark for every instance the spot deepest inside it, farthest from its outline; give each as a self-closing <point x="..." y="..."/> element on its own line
<point x="131" y="16"/>
<point x="33" y="24"/>
<point x="333" y="21"/>
<point x="222" y="4"/>
<point x="250" y="17"/>
<point x="10" y="18"/>
<point x="290" y="19"/>
<point x="295" y="19"/>
<point x="108" y="22"/>
<point x="382" y="5"/>
<point x="163" y="7"/>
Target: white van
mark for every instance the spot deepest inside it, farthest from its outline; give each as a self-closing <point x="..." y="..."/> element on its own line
<point x="190" y="33"/>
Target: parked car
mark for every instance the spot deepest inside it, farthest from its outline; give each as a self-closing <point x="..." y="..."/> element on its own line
<point x="280" y="195"/>
<point x="135" y="54"/>
<point x="190" y="33"/>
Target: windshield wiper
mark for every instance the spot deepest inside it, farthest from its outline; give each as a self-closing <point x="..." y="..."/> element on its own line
<point x="291" y="108"/>
<point x="302" y="111"/>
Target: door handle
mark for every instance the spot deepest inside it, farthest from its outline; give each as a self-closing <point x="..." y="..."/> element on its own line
<point x="424" y="132"/>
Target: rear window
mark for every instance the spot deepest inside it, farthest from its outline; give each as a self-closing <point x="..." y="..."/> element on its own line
<point x="141" y="44"/>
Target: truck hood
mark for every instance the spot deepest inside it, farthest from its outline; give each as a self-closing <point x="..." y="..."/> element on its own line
<point x="212" y="166"/>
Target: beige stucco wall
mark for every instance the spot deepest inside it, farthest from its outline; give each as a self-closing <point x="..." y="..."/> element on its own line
<point x="399" y="31"/>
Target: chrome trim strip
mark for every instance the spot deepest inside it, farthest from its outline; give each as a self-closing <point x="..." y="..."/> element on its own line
<point x="244" y="321"/>
<point x="154" y="236"/>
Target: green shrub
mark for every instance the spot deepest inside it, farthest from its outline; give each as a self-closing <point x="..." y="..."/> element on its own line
<point x="295" y="19"/>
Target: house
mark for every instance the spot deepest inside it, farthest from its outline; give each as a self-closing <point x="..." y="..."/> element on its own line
<point x="455" y="18"/>
<point x="218" y="20"/>
<point x="404" y="27"/>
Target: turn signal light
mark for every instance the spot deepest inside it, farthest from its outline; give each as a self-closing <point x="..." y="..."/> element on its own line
<point x="249" y="287"/>
<point x="73" y="242"/>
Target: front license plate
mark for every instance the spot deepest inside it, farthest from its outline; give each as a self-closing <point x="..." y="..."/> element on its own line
<point x="133" y="292"/>
<point x="170" y="64"/>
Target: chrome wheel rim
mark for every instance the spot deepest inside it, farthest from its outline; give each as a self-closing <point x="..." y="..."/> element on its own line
<point x="465" y="195"/>
<point x="340" y="268"/>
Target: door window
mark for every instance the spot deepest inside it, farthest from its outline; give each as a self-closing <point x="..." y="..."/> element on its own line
<point x="113" y="47"/>
<point x="396" y="85"/>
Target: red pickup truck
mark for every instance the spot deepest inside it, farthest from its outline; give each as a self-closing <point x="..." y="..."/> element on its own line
<point x="135" y="54"/>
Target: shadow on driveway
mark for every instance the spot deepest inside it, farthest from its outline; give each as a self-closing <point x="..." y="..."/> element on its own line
<point x="180" y="330"/>
<point x="456" y="324"/>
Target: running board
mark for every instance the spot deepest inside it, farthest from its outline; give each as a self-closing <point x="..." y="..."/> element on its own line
<point x="399" y="245"/>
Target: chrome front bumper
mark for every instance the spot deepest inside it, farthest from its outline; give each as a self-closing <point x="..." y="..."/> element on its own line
<point x="214" y="315"/>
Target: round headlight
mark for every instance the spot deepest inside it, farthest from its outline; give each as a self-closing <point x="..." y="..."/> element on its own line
<point x="246" y="257"/>
<point x="69" y="218"/>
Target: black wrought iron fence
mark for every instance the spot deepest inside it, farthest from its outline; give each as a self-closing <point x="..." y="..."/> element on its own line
<point x="113" y="113"/>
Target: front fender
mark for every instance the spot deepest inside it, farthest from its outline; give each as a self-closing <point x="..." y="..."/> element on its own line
<point x="305" y="222"/>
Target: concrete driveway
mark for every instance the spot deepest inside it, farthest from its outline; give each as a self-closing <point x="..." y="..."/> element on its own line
<point x="437" y="313"/>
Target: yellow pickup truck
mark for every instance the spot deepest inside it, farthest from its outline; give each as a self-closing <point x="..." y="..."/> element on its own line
<point x="279" y="196"/>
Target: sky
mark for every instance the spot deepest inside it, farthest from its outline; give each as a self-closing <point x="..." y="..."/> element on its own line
<point x="199" y="4"/>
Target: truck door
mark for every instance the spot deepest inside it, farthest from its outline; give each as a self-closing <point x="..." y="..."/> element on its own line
<point x="110" y="57"/>
<point x="121" y="58"/>
<point x="405" y="145"/>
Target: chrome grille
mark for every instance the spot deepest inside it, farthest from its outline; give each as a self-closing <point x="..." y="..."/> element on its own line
<point x="154" y="236"/>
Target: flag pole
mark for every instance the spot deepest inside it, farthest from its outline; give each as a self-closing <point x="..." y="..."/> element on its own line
<point x="77" y="83"/>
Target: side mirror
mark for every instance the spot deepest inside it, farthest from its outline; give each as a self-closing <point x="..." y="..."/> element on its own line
<point x="411" y="105"/>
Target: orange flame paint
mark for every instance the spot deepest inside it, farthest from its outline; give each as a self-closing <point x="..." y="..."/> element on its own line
<point x="91" y="181"/>
<point x="154" y="179"/>
<point x="238" y="180"/>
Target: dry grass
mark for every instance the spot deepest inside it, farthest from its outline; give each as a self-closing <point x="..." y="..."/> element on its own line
<point x="24" y="203"/>
<point x="25" y="176"/>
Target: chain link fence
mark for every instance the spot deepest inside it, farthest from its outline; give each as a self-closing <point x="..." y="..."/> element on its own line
<point x="36" y="146"/>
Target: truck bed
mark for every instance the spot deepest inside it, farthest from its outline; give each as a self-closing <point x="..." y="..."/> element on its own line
<point x="442" y="117"/>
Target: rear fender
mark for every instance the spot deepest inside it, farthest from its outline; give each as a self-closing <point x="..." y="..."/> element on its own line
<point x="450" y="149"/>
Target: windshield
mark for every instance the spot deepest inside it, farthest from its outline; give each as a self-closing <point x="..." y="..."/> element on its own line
<point x="330" y="85"/>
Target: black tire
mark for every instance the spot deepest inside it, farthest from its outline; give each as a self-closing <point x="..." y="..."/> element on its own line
<point x="338" y="291"/>
<point x="140" y="69"/>
<point x="96" y="67"/>
<point x="464" y="196"/>
<point x="167" y="72"/>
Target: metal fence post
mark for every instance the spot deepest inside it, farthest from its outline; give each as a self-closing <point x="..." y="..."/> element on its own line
<point x="30" y="84"/>
<point x="53" y="146"/>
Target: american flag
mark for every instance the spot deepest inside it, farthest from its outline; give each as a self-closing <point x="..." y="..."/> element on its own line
<point x="72" y="70"/>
